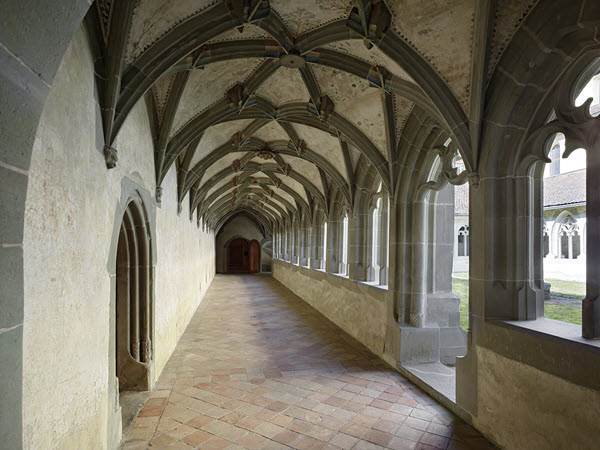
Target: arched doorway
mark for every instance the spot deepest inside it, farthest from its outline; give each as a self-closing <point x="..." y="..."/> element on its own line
<point x="254" y="257"/>
<point x="133" y="333"/>
<point x="237" y="255"/>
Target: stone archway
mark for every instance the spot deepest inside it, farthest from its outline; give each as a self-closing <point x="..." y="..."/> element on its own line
<point x="26" y="74"/>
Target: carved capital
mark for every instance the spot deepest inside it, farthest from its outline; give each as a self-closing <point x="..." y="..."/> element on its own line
<point x="110" y="157"/>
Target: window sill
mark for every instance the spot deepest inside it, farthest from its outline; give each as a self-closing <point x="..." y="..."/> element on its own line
<point x="383" y="287"/>
<point x="553" y="329"/>
<point x="341" y="275"/>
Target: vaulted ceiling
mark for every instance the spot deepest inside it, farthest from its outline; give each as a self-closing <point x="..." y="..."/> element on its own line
<point x="268" y="106"/>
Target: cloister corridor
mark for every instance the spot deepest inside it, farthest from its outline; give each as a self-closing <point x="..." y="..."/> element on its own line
<point x="257" y="367"/>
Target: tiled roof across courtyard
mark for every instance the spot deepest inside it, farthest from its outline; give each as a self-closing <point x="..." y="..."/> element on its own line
<point x="564" y="189"/>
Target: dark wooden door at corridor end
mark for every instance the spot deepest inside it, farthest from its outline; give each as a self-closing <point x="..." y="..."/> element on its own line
<point x="254" y="263"/>
<point x="237" y="260"/>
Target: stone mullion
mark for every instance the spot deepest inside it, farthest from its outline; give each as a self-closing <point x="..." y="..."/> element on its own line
<point x="383" y="243"/>
<point x="306" y="247"/>
<point x="370" y="272"/>
<point x="314" y="243"/>
<point x="287" y="243"/>
<point x="332" y="259"/>
<point x="297" y="244"/>
<point x="591" y="304"/>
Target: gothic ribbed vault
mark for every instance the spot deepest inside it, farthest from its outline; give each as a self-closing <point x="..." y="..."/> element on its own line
<point x="269" y="107"/>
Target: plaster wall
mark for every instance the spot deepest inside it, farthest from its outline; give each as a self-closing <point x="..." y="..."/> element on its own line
<point x="359" y="309"/>
<point x="71" y="207"/>
<point x="521" y="407"/>
<point x="239" y="227"/>
<point x="185" y="267"/>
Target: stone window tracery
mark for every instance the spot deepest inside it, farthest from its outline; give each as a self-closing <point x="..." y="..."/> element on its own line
<point x="463" y="241"/>
<point x="570" y="245"/>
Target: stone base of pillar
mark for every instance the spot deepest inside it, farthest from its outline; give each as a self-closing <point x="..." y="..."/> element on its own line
<point x="443" y="310"/>
<point x="453" y="344"/>
<point x="418" y="345"/>
<point x="591" y="318"/>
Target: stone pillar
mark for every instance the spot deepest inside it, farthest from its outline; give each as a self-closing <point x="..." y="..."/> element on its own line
<point x="314" y="246"/>
<point x="305" y="251"/>
<point x="333" y="247"/>
<point x="358" y="240"/>
<point x="443" y="306"/>
<point x="288" y="243"/>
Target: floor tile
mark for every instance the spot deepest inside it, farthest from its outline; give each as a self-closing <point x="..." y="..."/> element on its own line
<point x="259" y="368"/>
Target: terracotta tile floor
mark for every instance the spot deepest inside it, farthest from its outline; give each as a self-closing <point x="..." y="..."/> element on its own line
<point x="259" y="368"/>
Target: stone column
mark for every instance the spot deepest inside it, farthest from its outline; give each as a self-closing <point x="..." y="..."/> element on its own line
<point x="324" y="242"/>
<point x="418" y="300"/>
<point x="383" y="242"/>
<point x="455" y="241"/>
<point x="570" y="242"/>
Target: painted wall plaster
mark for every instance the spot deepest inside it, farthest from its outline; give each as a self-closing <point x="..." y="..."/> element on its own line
<point x="357" y="308"/>
<point x="70" y="213"/>
<point x="516" y="419"/>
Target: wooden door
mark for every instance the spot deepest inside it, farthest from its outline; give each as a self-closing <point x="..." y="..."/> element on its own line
<point x="238" y="256"/>
<point x="254" y="263"/>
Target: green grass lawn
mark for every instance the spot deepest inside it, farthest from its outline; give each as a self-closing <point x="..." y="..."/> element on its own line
<point x="460" y="287"/>
<point x="564" y="313"/>
<point x="572" y="289"/>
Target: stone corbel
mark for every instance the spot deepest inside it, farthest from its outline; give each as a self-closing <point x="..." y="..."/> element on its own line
<point x="247" y="11"/>
<point x="474" y="180"/>
<point x="371" y="19"/>
<point x="323" y="109"/>
<point x="110" y="156"/>
<point x="159" y="193"/>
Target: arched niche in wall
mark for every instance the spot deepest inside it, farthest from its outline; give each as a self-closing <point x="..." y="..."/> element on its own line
<point x="133" y="308"/>
<point x="131" y="264"/>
